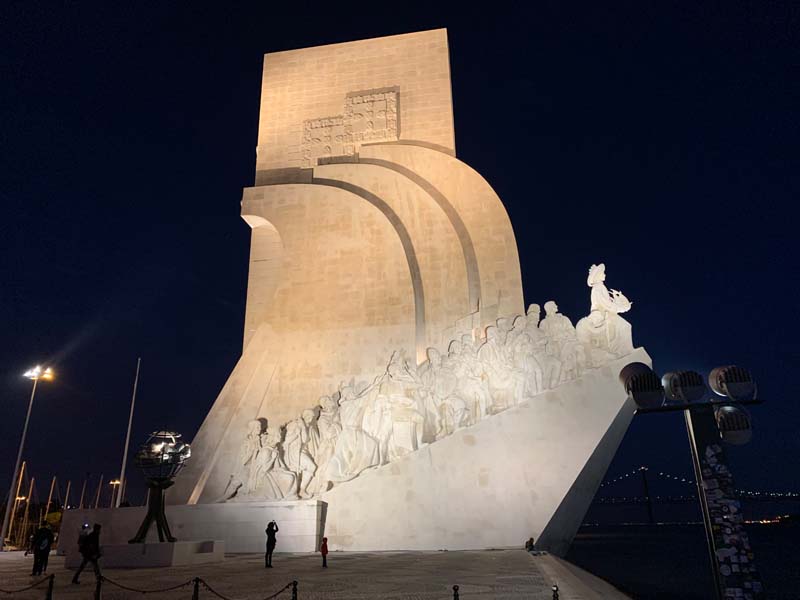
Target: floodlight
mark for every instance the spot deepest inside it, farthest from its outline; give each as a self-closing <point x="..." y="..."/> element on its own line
<point x="735" y="426"/>
<point x="684" y="386"/>
<point x="733" y="382"/>
<point x="642" y="385"/>
<point x="38" y="372"/>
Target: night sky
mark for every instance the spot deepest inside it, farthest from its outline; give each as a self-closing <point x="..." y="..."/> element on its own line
<point x="661" y="140"/>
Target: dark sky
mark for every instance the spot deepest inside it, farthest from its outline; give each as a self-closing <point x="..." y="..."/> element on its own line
<point x="659" y="138"/>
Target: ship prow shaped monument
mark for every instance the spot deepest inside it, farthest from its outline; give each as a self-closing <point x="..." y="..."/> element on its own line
<point x="393" y="392"/>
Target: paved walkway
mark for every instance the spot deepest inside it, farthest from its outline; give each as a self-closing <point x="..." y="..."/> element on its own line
<point x="500" y="575"/>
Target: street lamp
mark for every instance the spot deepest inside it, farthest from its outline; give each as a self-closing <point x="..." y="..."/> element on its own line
<point x="114" y="483"/>
<point x="34" y="374"/>
<point x="707" y="423"/>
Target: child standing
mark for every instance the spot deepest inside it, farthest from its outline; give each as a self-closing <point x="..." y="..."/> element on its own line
<point x="323" y="549"/>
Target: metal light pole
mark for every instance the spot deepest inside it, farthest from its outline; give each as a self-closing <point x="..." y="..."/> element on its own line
<point x="17" y="496"/>
<point x="50" y="497"/>
<point x="128" y="435"/>
<point x="99" y="490"/>
<point x="65" y="504"/>
<point x="115" y="489"/>
<point x="83" y="491"/>
<point x="35" y="374"/>
<point x="25" y="517"/>
<point x="708" y="424"/>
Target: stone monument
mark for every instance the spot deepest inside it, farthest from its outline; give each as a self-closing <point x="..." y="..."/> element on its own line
<point x="393" y="393"/>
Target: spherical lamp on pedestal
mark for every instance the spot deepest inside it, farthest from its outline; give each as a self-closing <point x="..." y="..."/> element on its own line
<point x="160" y="458"/>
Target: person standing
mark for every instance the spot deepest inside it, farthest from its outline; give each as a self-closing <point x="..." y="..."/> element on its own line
<point x="271" y="531"/>
<point x="40" y="547"/>
<point x="89" y="547"/>
<point x="323" y="549"/>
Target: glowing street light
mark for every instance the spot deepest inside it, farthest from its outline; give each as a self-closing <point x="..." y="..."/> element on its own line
<point x="114" y="483"/>
<point x="34" y="374"/>
<point x="37" y="373"/>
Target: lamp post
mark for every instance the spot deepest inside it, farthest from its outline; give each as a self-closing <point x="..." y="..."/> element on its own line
<point x="708" y="423"/>
<point x="115" y="489"/>
<point x="35" y="374"/>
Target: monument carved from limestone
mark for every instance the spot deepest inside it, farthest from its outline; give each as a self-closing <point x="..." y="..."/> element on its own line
<point x="384" y="281"/>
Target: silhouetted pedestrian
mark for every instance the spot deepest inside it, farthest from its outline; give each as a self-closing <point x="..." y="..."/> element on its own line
<point x="271" y="531"/>
<point x="323" y="549"/>
<point x="530" y="545"/>
<point x="89" y="547"/>
<point x="40" y="547"/>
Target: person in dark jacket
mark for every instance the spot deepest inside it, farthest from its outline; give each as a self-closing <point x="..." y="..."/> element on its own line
<point x="40" y="547"/>
<point x="323" y="549"/>
<point x="271" y="531"/>
<point x="89" y="547"/>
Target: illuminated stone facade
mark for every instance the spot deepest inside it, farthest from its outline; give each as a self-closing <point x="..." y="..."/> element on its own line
<point x="373" y="245"/>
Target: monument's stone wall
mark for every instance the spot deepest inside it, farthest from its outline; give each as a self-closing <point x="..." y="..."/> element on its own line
<point x="389" y="365"/>
<point x="239" y="525"/>
<point x="353" y="260"/>
<point x="312" y="92"/>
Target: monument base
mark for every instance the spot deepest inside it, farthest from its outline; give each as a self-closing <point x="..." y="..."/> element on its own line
<point x="240" y="525"/>
<point x="158" y="554"/>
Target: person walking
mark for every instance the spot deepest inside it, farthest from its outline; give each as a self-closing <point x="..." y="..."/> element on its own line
<point x="271" y="531"/>
<point x="40" y="547"/>
<point x="323" y="549"/>
<point x="89" y="547"/>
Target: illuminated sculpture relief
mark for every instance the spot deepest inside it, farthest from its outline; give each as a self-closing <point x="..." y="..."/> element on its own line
<point x="364" y="425"/>
<point x="368" y="117"/>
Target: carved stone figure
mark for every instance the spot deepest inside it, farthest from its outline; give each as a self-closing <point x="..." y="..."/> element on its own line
<point x="550" y="365"/>
<point x="309" y="417"/>
<point x="506" y="384"/>
<point x="610" y="304"/>
<point x="473" y="386"/>
<point x="522" y="353"/>
<point x="355" y="450"/>
<point x="394" y="418"/>
<point x="562" y="342"/>
<point x="271" y="480"/>
<point x="438" y="383"/>
<point x="296" y="455"/>
<point x="241" y="479"/>
<point x="592" y="332"/>
<point x="330" y="427"/>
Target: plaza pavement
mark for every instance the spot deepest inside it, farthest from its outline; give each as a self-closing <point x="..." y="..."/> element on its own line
<point x="495" y="574"/>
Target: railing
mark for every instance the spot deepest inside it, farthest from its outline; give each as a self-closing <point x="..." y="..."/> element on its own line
<point x="197" y="584"/>
<point x="48" y="595"/>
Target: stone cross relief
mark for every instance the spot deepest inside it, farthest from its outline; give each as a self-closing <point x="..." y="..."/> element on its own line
<point x="364" y="425"/>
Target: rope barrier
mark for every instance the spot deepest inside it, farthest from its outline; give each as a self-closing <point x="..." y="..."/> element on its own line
<point x="156" y="591"/>
<point x="292" y="585"/>
<point x="30" y="587"/>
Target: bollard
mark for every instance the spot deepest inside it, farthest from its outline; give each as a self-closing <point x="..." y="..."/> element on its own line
<point x="294" y="590"/>
<point x="98" y="588"/>
<point x="196" y="589"/>
<point x="555" y="592"/>
<point x="455" y="592"/>
<point x="49" y="594"/>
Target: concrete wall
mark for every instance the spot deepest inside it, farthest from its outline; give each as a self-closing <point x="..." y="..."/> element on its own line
<point x="241" y="526"/>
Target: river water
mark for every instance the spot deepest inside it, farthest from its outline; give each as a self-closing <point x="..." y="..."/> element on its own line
<point x="670" y="561"/>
